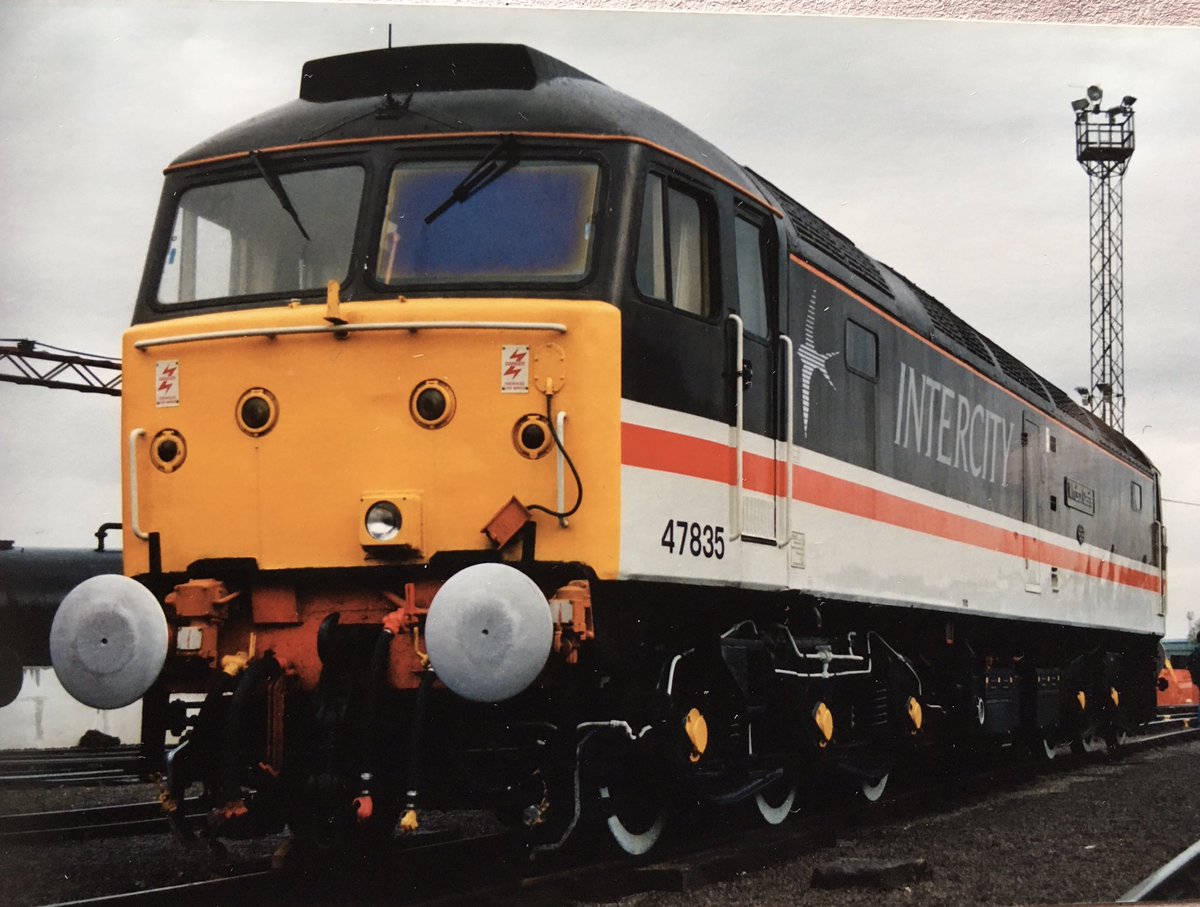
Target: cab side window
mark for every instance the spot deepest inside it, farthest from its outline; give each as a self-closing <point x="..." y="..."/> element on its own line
<point x="674" y="247"/>
<point x="751" y="275"/>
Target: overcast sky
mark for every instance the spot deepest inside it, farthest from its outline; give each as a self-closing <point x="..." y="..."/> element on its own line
<point x="945" y="150"/>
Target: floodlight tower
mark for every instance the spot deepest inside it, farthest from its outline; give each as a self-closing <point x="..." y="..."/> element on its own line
<point x="1103" y="147"/>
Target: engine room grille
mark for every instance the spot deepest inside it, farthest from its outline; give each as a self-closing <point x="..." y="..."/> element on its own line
<point x="1018" y="371"/>
<point x="827" y="239"/>
<point x="951" y="325"/>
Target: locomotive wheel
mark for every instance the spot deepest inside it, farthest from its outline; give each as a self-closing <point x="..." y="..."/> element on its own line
<point x="775" y="801"/>
<point x="1114" y="739"/>
<point x="1045" y="749"/>
<point x="635" y="807"/>
<point x="635" y="826"/>
<point x="873" y="791"/>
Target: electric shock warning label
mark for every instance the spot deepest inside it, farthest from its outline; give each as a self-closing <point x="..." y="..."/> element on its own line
<point x="514" y="369"/>
<point x="166" y="382"/>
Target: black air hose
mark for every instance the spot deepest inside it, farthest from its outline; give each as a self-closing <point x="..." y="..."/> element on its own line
<point x="415" y="741"/>
<point x="232" y="750"/>
<point x="376" y="684"/>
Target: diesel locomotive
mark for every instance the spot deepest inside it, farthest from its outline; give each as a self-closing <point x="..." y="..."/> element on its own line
<point x="491" y="438"/>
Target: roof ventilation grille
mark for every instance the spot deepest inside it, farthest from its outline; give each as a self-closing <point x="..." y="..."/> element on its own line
<point x="430" y="67"/>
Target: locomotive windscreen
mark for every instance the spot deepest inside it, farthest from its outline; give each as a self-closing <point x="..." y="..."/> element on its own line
<point x="533" y="222"/>
<point x="238" y="238"/>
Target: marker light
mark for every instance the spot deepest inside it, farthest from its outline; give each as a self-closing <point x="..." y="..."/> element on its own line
<point x="432" y="403"/>
<point x="531" y="436"/>
<point x="383" y="521"/>
<point x="168" y="450"/>
<point x="257" y="412"/>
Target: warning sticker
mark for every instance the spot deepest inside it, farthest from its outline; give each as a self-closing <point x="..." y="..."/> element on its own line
<point x="514" y="369"/>
<point x="166" y="382"/>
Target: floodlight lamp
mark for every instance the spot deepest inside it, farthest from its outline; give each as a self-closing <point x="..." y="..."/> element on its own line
<point x="1082" y="391"/>
<point x="1128" y="101"/>
<point x="1080" y="106"/>
<point x="1094" y="93"/>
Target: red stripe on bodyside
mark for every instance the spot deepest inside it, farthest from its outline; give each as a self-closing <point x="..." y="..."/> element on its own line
<point x="665" y="451"/>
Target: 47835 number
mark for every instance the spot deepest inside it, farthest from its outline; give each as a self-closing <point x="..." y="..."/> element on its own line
<point x="697" y="539"/>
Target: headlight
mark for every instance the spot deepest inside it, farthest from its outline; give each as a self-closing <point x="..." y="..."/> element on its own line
<point x="390" y="523"/>
<point x="383" y="521"/>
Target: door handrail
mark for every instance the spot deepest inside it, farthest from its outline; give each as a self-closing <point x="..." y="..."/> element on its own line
<point x="739" y="359"/>
<point x="790" y="409"/>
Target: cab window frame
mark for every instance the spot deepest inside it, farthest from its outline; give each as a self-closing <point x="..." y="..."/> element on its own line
<point x="750" y="215"/>
<point x="706" y="199"/>
<point x="284" y="164"/>
<point x="470" y="154"/>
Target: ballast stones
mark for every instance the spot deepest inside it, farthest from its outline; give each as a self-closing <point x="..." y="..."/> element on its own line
<point x="489" y="632"/>
<point x="108" y="641"/>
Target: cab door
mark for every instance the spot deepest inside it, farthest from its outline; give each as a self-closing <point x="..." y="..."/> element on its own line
<point x="760" y="483"/>
<point x="674" y="341"/>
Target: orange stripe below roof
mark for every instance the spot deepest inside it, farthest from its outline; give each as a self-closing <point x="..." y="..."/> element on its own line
<point x="665" y="451"/>
<point x="443" y="136"/>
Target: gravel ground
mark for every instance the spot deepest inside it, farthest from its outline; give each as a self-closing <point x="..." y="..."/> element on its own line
<point x="1084" y="837"/>
<point x="49" y="872"/>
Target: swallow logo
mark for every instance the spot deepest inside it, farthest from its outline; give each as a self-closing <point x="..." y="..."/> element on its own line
<point x="811" y="362"/>
<point x="166" y="381"/>
<point x="514" y="369"/>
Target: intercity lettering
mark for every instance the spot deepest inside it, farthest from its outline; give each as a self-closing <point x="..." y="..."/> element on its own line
<point x="943" y="424"/>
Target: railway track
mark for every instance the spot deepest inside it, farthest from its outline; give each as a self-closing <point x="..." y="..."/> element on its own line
<point x="89" y="822"/>
<point x="1176" y="880"/>
<point x="105" y="765"/>
<point x="499" y="872"/>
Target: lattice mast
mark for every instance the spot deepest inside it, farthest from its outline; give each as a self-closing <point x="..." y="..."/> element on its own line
<point x="1103" y="147"/>
<point x="29" y="362"/>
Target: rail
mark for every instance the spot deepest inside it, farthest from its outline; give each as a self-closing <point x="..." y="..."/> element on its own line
<point x="89" y="822"/>
<point x="1178" y="880"/>
<point x="340" y="329"/>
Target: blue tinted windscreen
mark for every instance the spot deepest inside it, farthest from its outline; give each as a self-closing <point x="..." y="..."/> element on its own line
<point x="533" y="222"/>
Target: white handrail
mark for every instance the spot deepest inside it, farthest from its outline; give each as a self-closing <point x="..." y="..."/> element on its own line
<point x="561" y="419"/>
<point x="357" y="328"/>
<point x="790" y="397"/>
<point x="739" y="360"/>
<point x="134" y="523"/>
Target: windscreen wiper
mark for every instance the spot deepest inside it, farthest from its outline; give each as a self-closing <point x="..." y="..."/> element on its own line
<point x="280" y="193"/>
<point x="503" y="157"/>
